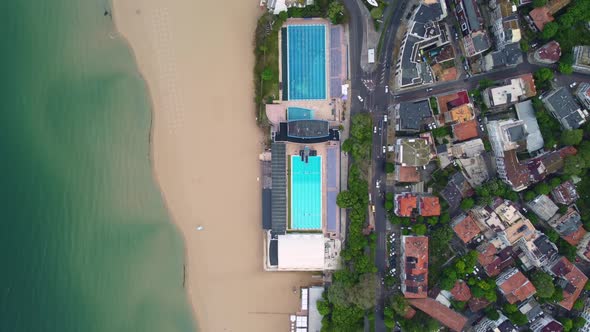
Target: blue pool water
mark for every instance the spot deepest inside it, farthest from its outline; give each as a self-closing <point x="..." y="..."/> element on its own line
<point x="306" y="193"/>
<point x="298" y="113"/>
<point x="307" y="62"/>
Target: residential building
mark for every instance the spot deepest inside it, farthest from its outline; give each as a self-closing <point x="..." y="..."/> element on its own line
<point x="582" y="59"/>
<point x="461" y="292"/>
<point x="407" y="174"/>
<point x="465" y="227"/>
<point x="504" y="18"/>
<point x="543" y="15"/>
<point x="413" y="151"/>
<point x="409" y="204"/>
<point x="570" y="279"/>
<point x="425" y="30"/>
<point x="475" y="39"/>
<point x="543" y="207"/>
<point x="452" y="100"/>
<point x="475" y="170"/>
<point x="537" y="253"/>
<point x="586" y="315"/>
<point x="414" y="266"/>
<point x="411" y="117"/>
<point x="446" y="316"/>
<point x="583" y="94"/>
<point x="548" y="53"/>
<point x="488" y="325"/>
<point x="468" y="149"/>
<point x="565" y="193"/>
<point x="530" y="308"/>
<point x="456" y="189"/>
<point x="564" y="108"/>
<point x="459" y="114"/>
<point x="526" y="113"/>
<point x="476" y="43"/>
<point x="569" y="226"/>
<point x="465" y="130"/>
<point x="493" y="260"/>
<point x="515" y="286"/>
<point x="509" y="56"/>
<point x="517" y="89"/>
<point x="546" y="324"/>
<point x="584" y="248"/>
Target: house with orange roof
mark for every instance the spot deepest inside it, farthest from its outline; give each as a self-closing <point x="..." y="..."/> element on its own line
<point x="429" y="206"/>
<point x="515" y="286"/>
<point x="405" y="204"/>
<point x="543" y="15"/>
<point x="461" y="291"/>
<point x="569" y="226"/>
<point x="571" y="280"/>
<point x="465" y="130"/>
<point x="407" y="174"/>
<point x="459" y="114"/>
<point x="465" y="227"/>
<point x="414" y="266"/>
<point x="446" y="316"/>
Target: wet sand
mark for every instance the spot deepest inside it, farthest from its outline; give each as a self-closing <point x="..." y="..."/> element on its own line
<point x="196" y="57"/>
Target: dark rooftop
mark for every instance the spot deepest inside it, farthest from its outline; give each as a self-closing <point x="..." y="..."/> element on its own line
<point x="412" y="115"/>
<point x="564" y="106"/>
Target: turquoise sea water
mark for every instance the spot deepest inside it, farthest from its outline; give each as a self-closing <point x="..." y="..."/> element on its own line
<point x="85" y="243"/>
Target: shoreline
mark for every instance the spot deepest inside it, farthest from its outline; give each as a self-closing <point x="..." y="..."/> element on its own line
<point x="241" y="310"/>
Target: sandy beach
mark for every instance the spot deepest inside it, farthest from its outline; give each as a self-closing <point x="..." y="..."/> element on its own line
<point x="197" y="60"/>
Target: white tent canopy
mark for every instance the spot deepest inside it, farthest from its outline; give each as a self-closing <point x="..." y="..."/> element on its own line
<point x="301" y="252"/>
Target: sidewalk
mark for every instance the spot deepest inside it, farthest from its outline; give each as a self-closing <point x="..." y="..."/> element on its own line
<point x="370" y="38"/>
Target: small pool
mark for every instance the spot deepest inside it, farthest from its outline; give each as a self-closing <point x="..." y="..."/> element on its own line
<point x="306" y="53"/>
<point x="298" y="113"/>
<point x="306" y="193"/>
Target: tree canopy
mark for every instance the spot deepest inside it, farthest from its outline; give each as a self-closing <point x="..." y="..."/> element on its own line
<point x="543" y="283"/>
<point x="543" y="74"/>
<point x="549" y="30"/>
<point x="572" y="137"/>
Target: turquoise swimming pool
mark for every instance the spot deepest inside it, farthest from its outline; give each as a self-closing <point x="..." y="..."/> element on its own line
<point x="306" y="54"/>
<point x="306" y="193"/>
<point x="298" y="113"/>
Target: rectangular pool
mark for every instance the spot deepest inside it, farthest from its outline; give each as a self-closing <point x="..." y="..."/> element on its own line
<point x="306" y="193"/>
<point x="306" y="53"/>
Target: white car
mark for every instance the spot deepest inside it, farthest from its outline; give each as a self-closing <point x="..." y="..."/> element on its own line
<point x="386" y="89"/>
<point x="360" y="99"/>
<point x="573" y="85"/>
<point x="375" y="130"/>
<point x="385" y="118"/>
<point x="384" y="149"/>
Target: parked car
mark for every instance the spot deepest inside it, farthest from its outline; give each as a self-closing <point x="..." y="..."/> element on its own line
<point x="375" y="130"/>
<point x="386" y="89"/>
<point x="573" y="85"/>
<point x="429" y="89"/>
<point x="360" y="99"/>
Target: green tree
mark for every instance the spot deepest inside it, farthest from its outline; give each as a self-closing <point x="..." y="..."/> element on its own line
<point x="567" y="323"/>
<point x="467" y="204"/>
<point x="543" y="75"/>
<point x="552" y="235"/>
<point x="565" y="68"/>
<point x="584" y="151"/>
<point x="578" y="322"/>
<point x="376" y="13"/>
<point x="510" y="308"/>
<point x="574" y="165"/>
<point x="323" y="307"/>
<point x="542" y="188"/>
<point x="492" y="313"/>
<point x="389" y="205"/>
<point x="399" y="304"/>
<point x="267" y="74"/>
<point x="524" y="46"/>
<point x="445" y="218"/>
<point x="543" y="283"/>
<point x="554" y="182"/>
<point x="579" y="304"/>
<point x="389" y="167"/>
<point x="572" y="137"/>
<point x="419" y="229"/>
<point x="549" y="30"/>
<point x="518" y="318"/>
<point x="529" y="195"/>
<point x="539" y="3"/>
<point x="335" y="12"/>
<point x="346" y="199"/>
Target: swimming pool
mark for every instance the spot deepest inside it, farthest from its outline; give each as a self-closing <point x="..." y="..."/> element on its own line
<point x="298" y="113"/>
<point x="306" y="193"/>
<point x="306" y="63"/>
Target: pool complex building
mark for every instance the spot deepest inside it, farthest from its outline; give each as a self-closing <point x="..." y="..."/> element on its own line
<point x="306" y="192"/>
<point x="304" y="62"/>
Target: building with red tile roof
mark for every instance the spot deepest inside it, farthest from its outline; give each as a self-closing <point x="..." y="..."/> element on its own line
<point x="476" y="304"/>
<point x="461" y="291"/>
<point x="569" y="226"/>
<point x="571" y="280"/>
<point x="429" y="206"/>
<point x="515" y="286"/>
<point x="446" y="316"/>
<point x="465" y="227"/>
<point x="405" y="204"/>
<point x="407" y="174"/>
<point x="540" y="17"/>
<point x="494" y="261"/>
<point x="414" y="266"/>
<point x="465" y="130"/>
<point x="565" y="193"/>
<point x="548" y="53"/>
<point x="452" y="100"/>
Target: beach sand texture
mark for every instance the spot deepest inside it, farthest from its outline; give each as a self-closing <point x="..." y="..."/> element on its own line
<point x="196" y="57"/>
